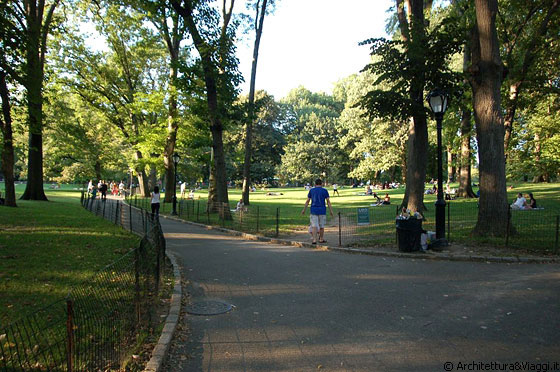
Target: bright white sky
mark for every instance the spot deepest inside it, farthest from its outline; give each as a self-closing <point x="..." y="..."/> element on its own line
<point x="313" y="43"/>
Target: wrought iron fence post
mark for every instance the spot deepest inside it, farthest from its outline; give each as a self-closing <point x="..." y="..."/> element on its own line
<point x="198" y="211"/>
<point x="508" y="226"/>
<point x="143" y="221"/>
<point x="69" y="335"/>
<point x="207" y="215"/>
<point x="104" y="203"/>
<point x="157" y="240"/>
<point x="116" y="212"/>
<point x="130" y="215"/>
<point x="277" y="221"/>
<point x="135" y="200"/>
<point x="258" y="216"/>
<point x="339" y="230"/>
<point x="448" y="221"/>
<point x="137" y="283"/>
<point x="556" y="241"/>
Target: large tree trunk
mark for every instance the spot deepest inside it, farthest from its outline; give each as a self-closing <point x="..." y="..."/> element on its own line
<point x="173" y="44"/>
<point x="404" y="167"/>
<point x="537" y="158"/>
<point x="465" y="183"/>
<point x="210" y="80"/>
<point x="34" y="85"/>
<point x="36" y="44"/>
<point x="416" y="165"/>
<point x="451" y="169"/>
<point x="97" y="168"/>
<point x="34" y="188"/>
<point x="486" y="81"/>
<point x="8" y="145"/>
<point x="251" y="116"/>
<point x="510" y="115"/>
<point x="418" y="129"/>
<point x="172" y="127"/>
<point x="141" y="174"/>
<point x="220" y="178"/>
<point x="152" y="179"/>
<point x="212" y="205"/>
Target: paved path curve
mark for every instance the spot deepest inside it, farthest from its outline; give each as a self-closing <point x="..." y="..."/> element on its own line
<point x="304" y="310"/>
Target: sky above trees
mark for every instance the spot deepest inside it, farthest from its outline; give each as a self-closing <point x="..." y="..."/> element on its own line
<point x="313" y="43"/>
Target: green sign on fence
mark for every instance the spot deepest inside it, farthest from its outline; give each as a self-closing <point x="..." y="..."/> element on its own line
<point x="363" y="216"/>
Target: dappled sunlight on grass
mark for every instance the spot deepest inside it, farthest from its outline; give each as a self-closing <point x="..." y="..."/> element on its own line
<point x="48" y="247"/>
<point x="46" y="230"/>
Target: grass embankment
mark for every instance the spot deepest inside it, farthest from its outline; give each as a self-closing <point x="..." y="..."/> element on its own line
<point x="48" y="247"/>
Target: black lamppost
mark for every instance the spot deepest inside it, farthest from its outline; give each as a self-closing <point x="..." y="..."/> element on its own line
<point x="438" y="103"/>
<point x="176" y="158"/>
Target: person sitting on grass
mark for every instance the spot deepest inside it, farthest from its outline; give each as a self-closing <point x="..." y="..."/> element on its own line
<point x="240" y="205"/>
<point x="520" y="203"/>
<point x="387" y="199"/>
<point x="532" y="201"/>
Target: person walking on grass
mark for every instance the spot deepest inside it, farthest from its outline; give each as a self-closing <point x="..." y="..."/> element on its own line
<point x="318" y="196"/>
<point x="335" y="189"/>
<point x="155" y="202"/>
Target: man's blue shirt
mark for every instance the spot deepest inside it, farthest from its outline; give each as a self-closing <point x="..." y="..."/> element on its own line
<point x="318" y="195"/>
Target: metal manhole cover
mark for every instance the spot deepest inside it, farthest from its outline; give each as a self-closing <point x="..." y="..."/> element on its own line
<point x="209" y="307"/>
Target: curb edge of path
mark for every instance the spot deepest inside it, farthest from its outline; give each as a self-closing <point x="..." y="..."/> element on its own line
<point x="160" y="350"/>
<point x="422" y="256"/>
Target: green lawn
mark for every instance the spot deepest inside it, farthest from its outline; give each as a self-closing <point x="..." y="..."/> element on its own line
<point x="48" y="247"/>
<point x="535" y="230"/>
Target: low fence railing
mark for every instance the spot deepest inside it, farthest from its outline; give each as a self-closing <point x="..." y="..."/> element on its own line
<point x="101" y="320"/>
<point x="532" y="230"/>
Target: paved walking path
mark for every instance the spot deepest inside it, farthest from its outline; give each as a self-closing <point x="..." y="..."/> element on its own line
<point x="299" y="309"/>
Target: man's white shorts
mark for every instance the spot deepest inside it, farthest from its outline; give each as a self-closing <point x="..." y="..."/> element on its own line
<point x="318" y="220"/>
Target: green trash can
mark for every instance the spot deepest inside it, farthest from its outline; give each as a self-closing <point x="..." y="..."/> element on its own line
<point x="408" y="234"/>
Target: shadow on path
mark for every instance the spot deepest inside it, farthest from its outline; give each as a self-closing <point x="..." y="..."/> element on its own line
<point x="305" y="310"/>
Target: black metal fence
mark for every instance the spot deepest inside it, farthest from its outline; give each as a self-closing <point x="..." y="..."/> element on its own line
<point x="371" y="225"/>
<point x="531" y="230"/>
<point x="100" y="321"/>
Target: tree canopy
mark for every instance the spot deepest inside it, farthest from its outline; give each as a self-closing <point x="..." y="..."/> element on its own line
<point x="153" y="78"/>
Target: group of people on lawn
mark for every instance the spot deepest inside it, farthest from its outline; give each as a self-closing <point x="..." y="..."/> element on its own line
<point x="103" y="188"/>
<point x="386" y="200"/>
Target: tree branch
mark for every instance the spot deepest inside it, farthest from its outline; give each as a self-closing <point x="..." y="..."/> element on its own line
<point x="45" y="28"/>
<point x="403" y="23"/>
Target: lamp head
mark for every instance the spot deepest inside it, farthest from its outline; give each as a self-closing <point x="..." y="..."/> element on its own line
<point x="176" y="158"/>
<point x="437" y="99"/>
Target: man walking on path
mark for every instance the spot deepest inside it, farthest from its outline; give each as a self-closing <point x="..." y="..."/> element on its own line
<point x="318" y="195"/>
